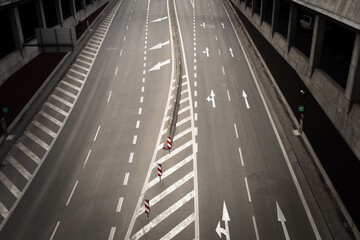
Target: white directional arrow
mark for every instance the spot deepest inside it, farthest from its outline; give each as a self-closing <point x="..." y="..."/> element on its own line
<point x="231" y="52"/>
<point x="159" y="65"/>
<point x="206" y="51"/>
<point x="159" y="45"/>
<point x="246" y="101"/>
<point x="159" y="19"/>
<point x="225" y="217"/>
<point x="281" y="218"/>
<point x="211" y="98"/>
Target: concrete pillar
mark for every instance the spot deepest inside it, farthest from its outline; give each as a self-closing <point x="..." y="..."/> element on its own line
<point x="352" y="91"/>
<point x="291" y="33"/>
<point x="59" y="13"/>
<point x="73" y="9"/>
<point x="263" y="10"/>
<point x="316" y="44"/>
<point x="40" y="13"/>
<point x="16" y="30"/>
<point x="275" y="16"/>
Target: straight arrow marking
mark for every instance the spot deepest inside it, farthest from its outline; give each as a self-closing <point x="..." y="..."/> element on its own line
<point x="245" y="98"/>
<point x="159" y="65"/>
<point x="281" y="218"/>
<point x="159" y="19"/>
<point x="159" y="45"/>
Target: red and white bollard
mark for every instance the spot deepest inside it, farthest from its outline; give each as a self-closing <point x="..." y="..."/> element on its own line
<point x="147" y="208"/>
<point x="169" y="143"/>
<point x="159" y="171"/>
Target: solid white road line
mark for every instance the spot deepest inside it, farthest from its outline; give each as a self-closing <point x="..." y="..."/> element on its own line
<point x="126" y="179"/>
<point x="97" y="132"/>
<point x="28" y="152"/>
<point x="137" y="123"/>
<point x="241" y="157"/>
<point x="236" y="132"/>
<point x="228" y="95"/>
<point x="134" y="139"/>
<point x="247" y="189"/>
<point x="108" y="100"/>
<point x="51" y="118"/>
<point x="87" y="158"/>
<point x="112" y="233"/>
<point x="37" y="140"/>
<point x="3" y="211"/>
<point x="131" y="157"/>
<point x="72" y="192"/>
<point x="9" y="185"/>
<point x="44" y="128"/>
<point x="55" y="229"/>
<point x="119" y="205"/>
<point x="186" y="222"/>
<point x="255" y="228"/>
<point x="164" y="215"/>
<point x="19" y="167"/>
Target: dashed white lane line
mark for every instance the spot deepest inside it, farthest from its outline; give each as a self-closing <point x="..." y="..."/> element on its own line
<point x="195" y="116"/>
<point x="9" y="185"/>
<point x="140" y="111"/>
<point x="137" y="123"/>
<point x="141" y="99"/>
<point x="112" y="233"/>
<point x="87" y="158"/>
<point x="228" y="95"/>
<point x="55" y="229"/>
<point x="247" y="189"/>
<point x="219" y="51"/>
<point x="135" y="139"/>
<point x="216" y="37"/>
<point x="142" y="89"/>
<point x="116" y="69"/>
<point x="126" y="178"/>
<point x="241" y="157"/>
<point x="72" y="192"/>
<point x="119" y="205"/>
<point x="195" y="93"/>
<point x="143" y="80"/>
<point x="195" y="104"/>
<point x="223" y="70"/>
<point x="131" y="157"/>
<point x="97" y="132"/>
<point x="120" y="52"/>
<point x="108" y="100"/>
<point x="195" y="83"/>
<point x="127" y="27"/>
<point x="19" y="167"/>
<point x="236" y="132"/>
<point x="124" y="38"/>
<point x="255" y="228"/>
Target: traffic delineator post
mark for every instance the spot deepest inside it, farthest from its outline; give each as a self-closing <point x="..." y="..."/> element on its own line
<point x="159" y="171"/>
<point x="147" y="208"/>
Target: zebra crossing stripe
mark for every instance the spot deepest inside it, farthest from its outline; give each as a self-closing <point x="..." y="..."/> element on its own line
<point x="9" y="185"/>
<point x="28" y="152"/>
<point x="176" y="230"/>
<point x="3" y="211"/>
<point x="19" y="167"/>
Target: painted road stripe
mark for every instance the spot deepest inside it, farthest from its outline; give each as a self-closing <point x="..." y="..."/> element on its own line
<point x="77" y="72"/>
<point x="140" y="110"/>
<point x="87" y="57"/>
<point x="126" y="179"/>
<point x="112" y="233"/>
<point x="131" y="157"/>
<point x="183" y="110"/>
<point x="108" y="100"/>
<point x="164" y="215"/>
<point x="55" y="108"/>
<point x="63" y="101"/>
<point x="183" y="133"/>
<point x="184" y="100"/>
<point x="116" y="69"/>
<point x="9" y="185"/>
<point x="70" y="85"/>
<point x="81" y="67"/>
<point x="173" y="153"/>
<point x="66" y="92"/>
<point x="137" y="123"/>
<point x="72" y="192"/>
<point x="236" y="132"/>
<point x="247" y="189"/>
<point x="55" y="229"/>
<point x="255" y="228"/>
<point x="195" y="116"/>
<point x="228" y="95"/>
<point x="51" y="118"/>
<point x="3" y="211"/>
<point x="135" y="139"/>
<point x="37" y="140"/>
<point x="97" y="132"/>
<point x="87" y="158"/>
<point x="44" y="128"/>
<point x="28" y="152"/>
<point x="90" y="53"/>
<point x="83" y="62"/>
<point x="170" y="171"/>
<point x="76" y="79"/>
<point x="19" y="167"/>
<point x="167" y="191"/>
<point x="241" y="157"/>
<point x="119" y="205"/>
<point x="186" y="222"/>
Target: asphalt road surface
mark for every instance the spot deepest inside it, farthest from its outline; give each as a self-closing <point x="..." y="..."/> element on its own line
<point x="227" y="173"/>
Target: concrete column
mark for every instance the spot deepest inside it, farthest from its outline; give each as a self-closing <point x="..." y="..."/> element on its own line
<point x="59" y="13"/>
<point x="263" y="10"/>
<point x="352" y="91"/>
<point x="40" y="13"/>
<point x="291" y="33"/>
<point x="16" y="30"/>
<point x="275" y="16"/>
<point x="73" y="9"/>
<point x="316" y="44"/>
